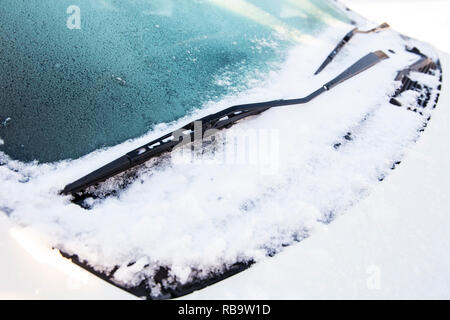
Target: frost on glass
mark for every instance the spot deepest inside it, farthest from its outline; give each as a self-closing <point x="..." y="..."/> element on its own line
<point x="79" y="75"/>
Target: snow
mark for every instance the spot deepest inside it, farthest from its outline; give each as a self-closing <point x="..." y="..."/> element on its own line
<point x="425" y="79"/>
<point x="206" y="214"/>
<point x="408" y="98"/>
<point x="394" y="244"/>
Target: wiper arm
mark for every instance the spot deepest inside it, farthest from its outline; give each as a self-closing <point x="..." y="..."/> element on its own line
<point x="220" y="120"/>
<point x="346" y="39"/>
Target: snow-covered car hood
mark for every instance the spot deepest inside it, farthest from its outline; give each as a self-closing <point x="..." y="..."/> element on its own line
<point x="183" y="223"/>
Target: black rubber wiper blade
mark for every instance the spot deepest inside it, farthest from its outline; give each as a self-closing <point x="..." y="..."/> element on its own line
<point x="345" y="40"/>
<point x="220" y="120"/>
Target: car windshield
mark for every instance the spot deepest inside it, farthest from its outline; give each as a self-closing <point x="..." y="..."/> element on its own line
<point x="77" y="78"/>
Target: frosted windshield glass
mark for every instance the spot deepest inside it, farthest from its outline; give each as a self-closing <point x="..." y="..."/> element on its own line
<point x="77" y="78"/>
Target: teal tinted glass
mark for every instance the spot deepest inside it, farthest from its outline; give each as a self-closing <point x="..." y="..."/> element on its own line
<point x="77" y="75"/>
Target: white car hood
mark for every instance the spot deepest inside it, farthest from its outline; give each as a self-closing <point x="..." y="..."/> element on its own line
<point x="181" y="222"/>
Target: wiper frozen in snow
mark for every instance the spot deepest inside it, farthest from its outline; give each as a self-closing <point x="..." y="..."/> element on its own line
<point x="220" y="120"/>
<point x="346" y="39"/>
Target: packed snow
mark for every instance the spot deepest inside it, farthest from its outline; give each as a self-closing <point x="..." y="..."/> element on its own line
<point x="215" y="208"/>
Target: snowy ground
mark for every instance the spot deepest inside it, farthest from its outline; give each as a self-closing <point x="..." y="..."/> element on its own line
<point x="390" y="250"/>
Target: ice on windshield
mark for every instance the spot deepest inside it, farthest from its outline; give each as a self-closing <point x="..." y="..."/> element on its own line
<point x="75" y="78"/>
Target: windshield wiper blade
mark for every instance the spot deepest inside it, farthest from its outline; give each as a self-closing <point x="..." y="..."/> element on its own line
<point x="220" y="120"/>
<point x="345" y="40"/>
